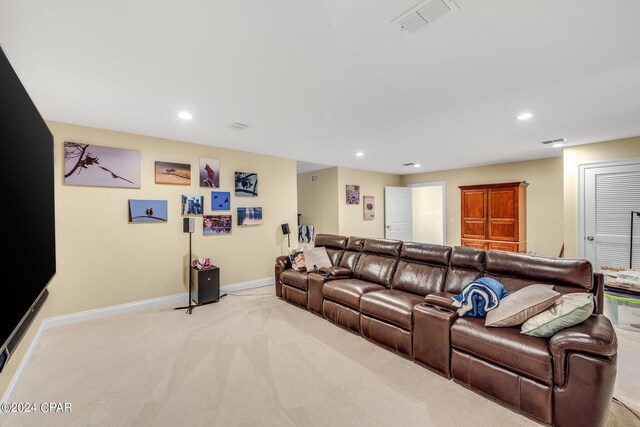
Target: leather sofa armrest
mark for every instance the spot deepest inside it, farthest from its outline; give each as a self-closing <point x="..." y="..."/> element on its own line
<point x="441" y="299"/>
<point x="282" y="263"/>
<point x="595" y="336"/>
<point x="335" y="272"/>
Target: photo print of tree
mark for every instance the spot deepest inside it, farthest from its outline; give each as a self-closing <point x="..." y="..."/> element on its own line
<point x="147" y="211"/>
<point x="246" y="184"/>
<point x="94" y="165"/>
<point x="173" y="173"/>
<point x="209" y="173"/>
<point x="192" y="204"/>
<point x="216" y="224"/>
<point x="220" y="200"/>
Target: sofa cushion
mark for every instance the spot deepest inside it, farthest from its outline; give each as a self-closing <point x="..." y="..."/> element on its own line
<point x="418" y="278"/>
<point x="387" y="247"/>
<point x="506" y="347"/>
<point x="517" y="270"/>
<point x="376" y="269"/>
<point x="297" y="279"/>
<point x="391" y="306"/>
<point x="517" y="307"/>
<point x="465" y="266"/>
<point x="348" y="291"/>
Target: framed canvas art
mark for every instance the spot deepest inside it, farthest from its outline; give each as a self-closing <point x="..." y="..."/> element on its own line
<point x="353" y="194"/>
<point x="369" y="207"/>
<point x="192" y="204"/>
<point x="246" y="184"/>
<point x="216" y="224"/>
<point x="220" y="200"/>
<point x="249" y="216"/>
<point x="147" y="211"/>
<point x="173" y="173"/>
<point x="209" y="173"/>
<point x="95" y="165"/>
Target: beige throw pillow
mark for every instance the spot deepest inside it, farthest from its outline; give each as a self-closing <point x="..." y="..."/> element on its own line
<point x="316" y="258"/>
<point x="517" y="307"/>
<point x="568" y="310"/>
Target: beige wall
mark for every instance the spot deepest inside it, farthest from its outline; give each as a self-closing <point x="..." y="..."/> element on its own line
<point x="351" y="217"/>
<point x="102" y="260"/>
<point x="318" y="201"/>
<point x="544" y="198"/>
<point x="573" y="157"/>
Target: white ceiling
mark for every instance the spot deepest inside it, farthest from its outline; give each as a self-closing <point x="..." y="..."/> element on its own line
<point x="319" y="80"/>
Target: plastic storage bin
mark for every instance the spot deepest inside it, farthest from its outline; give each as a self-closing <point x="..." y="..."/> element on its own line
<point x="623" y="312"/>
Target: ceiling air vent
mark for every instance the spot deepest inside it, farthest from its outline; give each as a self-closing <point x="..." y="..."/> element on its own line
<point x="408" y="164"/>
<point x="237" y="126"/>
<point x="424" y="13"/>
<point x="555" y="141"/>
<point x="314" y="178"/>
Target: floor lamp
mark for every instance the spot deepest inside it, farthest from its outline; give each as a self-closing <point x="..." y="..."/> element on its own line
<point x="188" y="226"/>
<point x="631" y="240"/>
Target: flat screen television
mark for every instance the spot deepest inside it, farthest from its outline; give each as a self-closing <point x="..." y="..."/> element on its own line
<point x="28" y="233"/>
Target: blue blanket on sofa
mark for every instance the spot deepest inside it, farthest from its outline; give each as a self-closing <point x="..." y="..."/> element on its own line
<point x="479" y="296"/>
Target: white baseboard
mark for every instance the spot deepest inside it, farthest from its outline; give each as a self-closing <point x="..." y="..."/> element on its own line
<point x="161" y="302"/>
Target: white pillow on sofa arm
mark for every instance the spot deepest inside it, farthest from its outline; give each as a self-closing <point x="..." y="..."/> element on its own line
<point x="316" y="258"/>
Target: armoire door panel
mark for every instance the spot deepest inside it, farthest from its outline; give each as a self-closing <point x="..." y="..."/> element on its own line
<point x="503" y="229"/>
<point x="478" y="244"/>
<point x="474" y="204"/>
<point x="474" y="228"/>
<point x="502" y="203"/>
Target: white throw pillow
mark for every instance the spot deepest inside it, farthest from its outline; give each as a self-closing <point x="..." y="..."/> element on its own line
<point x="566" y="311"/>
<point x="517" y="307"/>
<point x="316" y="258"/>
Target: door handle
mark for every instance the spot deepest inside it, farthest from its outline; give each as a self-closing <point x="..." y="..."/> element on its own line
<point x="388" y="226"/>
<point x="590" y="238"/>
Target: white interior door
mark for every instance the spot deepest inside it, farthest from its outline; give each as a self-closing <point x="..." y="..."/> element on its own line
<point x="428" y="221"/>
<point x="610" y="194"/>
<point x="397" y="213"/>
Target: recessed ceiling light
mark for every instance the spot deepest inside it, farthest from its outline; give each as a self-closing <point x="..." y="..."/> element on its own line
<point x="417" y="165"/>
<point x="359" y="154"/>
<point x="558" y="144"/>
<point x="525" y="116"/>
<point x="185" y="115"/>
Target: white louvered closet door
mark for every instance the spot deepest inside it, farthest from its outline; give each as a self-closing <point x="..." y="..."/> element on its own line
<point x="611" y="193"/>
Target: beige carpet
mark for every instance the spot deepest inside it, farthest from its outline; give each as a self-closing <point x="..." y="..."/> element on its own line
<point x="246" y="361"/>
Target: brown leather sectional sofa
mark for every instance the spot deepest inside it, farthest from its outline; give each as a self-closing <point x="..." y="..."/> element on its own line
<point x="399" y="295"/>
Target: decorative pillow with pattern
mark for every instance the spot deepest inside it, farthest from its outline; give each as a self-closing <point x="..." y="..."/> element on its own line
<point x="297" y="259"/>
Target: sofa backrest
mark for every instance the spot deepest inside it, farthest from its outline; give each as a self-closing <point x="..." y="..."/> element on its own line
<point x="352" y="253"/>
<point x="334" y="244"/>
<point x="422" y="268"/>
<point x="465" y="266"/>
<point x="378" y="261"/>
<point x="515" y="271"/>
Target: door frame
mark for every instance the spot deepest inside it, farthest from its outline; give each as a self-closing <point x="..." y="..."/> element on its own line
<point x="443" y="186"/>
<point x="582" y="204"/>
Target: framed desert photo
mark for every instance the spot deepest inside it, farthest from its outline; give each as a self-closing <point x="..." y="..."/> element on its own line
<point x="369" y="207"/>
<point x="95" y="165"/>
<point x="353" y="194"/>
<point x="147" y="211"/>
<point x="246" y="184"/>
<point x="220" y="200"/>
<point x="249" y="216"/>
<point x="209" y="173"/>
<point x="216" y="224"/>
<point x="192" y="204"/>
<point x="173" y="173"/>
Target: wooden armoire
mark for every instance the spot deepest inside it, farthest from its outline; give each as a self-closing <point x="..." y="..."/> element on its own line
<point x="494" y="216"/>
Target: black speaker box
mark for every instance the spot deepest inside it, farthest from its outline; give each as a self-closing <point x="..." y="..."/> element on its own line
<point x="285" y="229"/>
<point x="188" y="225"/>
